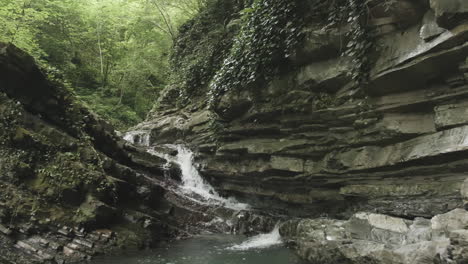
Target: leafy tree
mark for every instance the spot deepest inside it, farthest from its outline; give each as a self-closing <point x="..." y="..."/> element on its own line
<point x="113" y="53"/>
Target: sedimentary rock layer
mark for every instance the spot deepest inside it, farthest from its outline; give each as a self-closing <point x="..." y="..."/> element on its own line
<point x="311" y="139"/>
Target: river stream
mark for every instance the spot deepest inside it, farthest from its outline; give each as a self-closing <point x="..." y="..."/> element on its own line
<point x="211" y="249"/>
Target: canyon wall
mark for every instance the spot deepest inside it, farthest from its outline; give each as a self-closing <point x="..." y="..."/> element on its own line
<point x="311" y="143"/>
<point x="395" y="145"/>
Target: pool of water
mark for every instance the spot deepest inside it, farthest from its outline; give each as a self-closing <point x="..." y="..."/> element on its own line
<point x="209" y="249"/>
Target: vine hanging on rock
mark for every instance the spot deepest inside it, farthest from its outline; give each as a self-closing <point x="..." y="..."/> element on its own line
<point x="354" y="15"/>
<point x="270" y="32"/>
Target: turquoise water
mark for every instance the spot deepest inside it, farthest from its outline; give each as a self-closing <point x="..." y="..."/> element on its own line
<point x="209" y="249"/>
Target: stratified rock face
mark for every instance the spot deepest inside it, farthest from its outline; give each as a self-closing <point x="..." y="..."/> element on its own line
<point x="396" y="146"/>
<point x="376" y="238"/>
<point x="450" y="12"/>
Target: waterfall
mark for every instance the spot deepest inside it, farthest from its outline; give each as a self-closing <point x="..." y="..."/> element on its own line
<point x="194" y="187"/>
<point x="260" y="241"/>
<point x="192" y="181"/>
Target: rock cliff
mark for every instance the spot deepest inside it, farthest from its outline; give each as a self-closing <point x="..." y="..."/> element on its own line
<point x="310" y="142"/>
<point x="64" y="176"/>
<point x="70" y="187"/>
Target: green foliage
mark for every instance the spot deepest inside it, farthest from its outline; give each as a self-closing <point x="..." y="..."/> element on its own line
<point x="9" y="118"/>
<point x="201" y="47"/>
<point x="114" y="53"/>
<point x="354" y="14"/>
<point x="109" y="108"/>
<point x="18" y="20"/>
<point x="270" y="31"/>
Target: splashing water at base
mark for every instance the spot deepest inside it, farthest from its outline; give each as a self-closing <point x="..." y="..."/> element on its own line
<point x="210" y="249"/>
<point x="260" y="241"/>
<point x="191" y="179"/>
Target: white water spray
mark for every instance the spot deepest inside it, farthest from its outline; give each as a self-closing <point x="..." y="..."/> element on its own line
<point x="260" y="241"/>
<point x="193" y="183"/>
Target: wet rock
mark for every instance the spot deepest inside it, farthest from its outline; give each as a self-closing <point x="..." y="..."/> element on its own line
<point x="315" y="142"/>
<point x="65" y="231"/>
<point x="430" y="29"/>
<point x="233" y="105"/>
<point x="245" y="222"/>
<point x="375" y="238"/>
<point x="5" y="230"/>
<point x="450" y="13"/>
<point x="95" y="212"/>
<point x="65" y="172"/>
<point x="151" y="195"/>
<point x="83" y="242"/>
<point x="453" y="220"/>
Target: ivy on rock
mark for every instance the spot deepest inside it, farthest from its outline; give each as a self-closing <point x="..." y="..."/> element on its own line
<point x="354" y="14"/>
<point x="271" y="30"/>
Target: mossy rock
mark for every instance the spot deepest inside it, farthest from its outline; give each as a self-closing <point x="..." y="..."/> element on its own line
<point x="133" y="236"/>
<point x="95" y="213"/>
<point x="23" y="136"/>
<point x="23" y="171"/>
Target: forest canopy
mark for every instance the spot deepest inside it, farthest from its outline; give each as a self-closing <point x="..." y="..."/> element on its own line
<point x="114" y="54"/>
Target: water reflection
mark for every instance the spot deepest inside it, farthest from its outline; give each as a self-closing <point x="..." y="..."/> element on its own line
<point x="212" y="249"/>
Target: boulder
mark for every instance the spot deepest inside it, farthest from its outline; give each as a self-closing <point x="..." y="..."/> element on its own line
<point x="96" y="213"/>
<point x="450" y="13"/>
<point x="376" y="238"/>
<point x="430" y="29"/>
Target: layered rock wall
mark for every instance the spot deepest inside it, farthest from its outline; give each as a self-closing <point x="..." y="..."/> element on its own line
<point x="314" y="141"/>
<point x="389" y="157"/>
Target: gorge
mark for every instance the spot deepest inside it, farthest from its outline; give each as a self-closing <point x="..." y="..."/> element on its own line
<point x="329" y="132"/>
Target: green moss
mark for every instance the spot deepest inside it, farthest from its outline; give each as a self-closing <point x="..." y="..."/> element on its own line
<point x="131" y="236"/>
<point x="23" y="171"/>
<point x="270" y="32"/>
<point x="324" y="101"/>
<point x="20" y="204"/>
<point x="67" y="177"/>
<point x="22" y="135"/>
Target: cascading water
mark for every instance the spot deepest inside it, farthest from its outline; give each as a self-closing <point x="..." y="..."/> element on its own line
<point x="194" y="187"/>
<point x="193" y="183"/>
